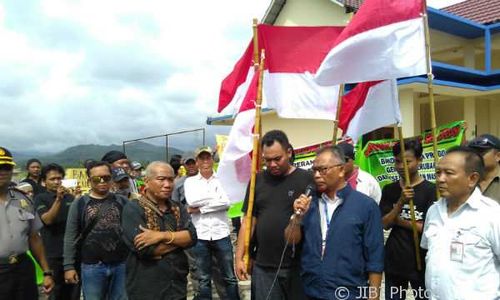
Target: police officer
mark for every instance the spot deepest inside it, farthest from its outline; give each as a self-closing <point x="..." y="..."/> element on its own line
<point x="19" y="226"/>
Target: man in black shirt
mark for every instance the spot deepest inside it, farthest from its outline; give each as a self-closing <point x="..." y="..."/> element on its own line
<point x="94" y="222"/>
<point x="276" y="189"/>
<point x="33" y="166"/>
<point x="53" y="206"/>
<point x="156" y="230"/>
<point x="400" y="258"/>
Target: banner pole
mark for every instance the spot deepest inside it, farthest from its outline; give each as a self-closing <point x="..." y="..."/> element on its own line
<point x="256" y="69"/>
<point x="337" y="115"/>
<point x="255" y="159"/>
<point x="411" y="202"/>
<point x="430" y="87"/>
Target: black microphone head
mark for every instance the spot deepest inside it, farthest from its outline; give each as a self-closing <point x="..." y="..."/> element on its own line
<point x="309" y="190"/>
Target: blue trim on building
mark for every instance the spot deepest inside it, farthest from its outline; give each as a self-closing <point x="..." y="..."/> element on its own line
<point x="210" y="120"/>
<point x="455" y="25"/>
<point x="487" y="49"/>
<point x="449" y="83"/>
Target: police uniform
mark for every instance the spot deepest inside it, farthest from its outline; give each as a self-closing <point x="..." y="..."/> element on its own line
<point x="18" y="220"/>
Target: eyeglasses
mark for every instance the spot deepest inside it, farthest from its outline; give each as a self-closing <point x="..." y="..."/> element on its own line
<point x="324" y="170"/>
<point x="100" y="179"/>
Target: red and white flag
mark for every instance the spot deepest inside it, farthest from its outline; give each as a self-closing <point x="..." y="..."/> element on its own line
<point x="369" y="106"/>
<point x="384" y="40"/>
<point x="292" y="57"/>
<point x="234" y="169"/>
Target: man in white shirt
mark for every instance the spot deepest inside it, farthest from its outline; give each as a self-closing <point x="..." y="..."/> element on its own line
<point x="208" y="203"/>
<point x="462" y="233"/>
<point x="358" y="179"/>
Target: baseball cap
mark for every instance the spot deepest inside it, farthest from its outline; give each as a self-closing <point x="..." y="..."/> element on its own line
<point x="119" y="174"/>
<point x="135" y="165"/>
<point x="484" y="142"/>
<point x="6" y="157"/>
<point x="348" y="150"/>
<point x="202" y="149"/>
<point x="190" y="157"/>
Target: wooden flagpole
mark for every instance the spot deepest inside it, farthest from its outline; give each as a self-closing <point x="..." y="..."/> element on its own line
<point x="256" y="69"/>
<point x="255" y="159"/>
<point x="337" y="115"/>
<point x="255" y="45"/>
<point x="430" y="88"/>
<point x="411" y="202"/>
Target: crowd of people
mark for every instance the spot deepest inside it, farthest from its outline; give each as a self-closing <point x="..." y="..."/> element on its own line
<point x="139" y="233"/>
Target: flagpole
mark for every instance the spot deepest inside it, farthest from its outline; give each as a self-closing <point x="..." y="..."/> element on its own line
<point x="337" y="115"/>
<point x="255" y="159"/>
<point x="255" y="45"/>
<point x="256" y="69"/>
<point x="411" y="202"/>
<point x="430" y="88"/>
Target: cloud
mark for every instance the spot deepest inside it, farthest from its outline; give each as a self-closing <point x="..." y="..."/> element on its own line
<point x="81" y="72"/>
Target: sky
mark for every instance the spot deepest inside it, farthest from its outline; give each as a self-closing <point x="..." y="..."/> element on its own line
<point x="101" y="72"/>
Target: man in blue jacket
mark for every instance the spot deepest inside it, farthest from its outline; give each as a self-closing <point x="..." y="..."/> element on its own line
<point x="343" y="243"/>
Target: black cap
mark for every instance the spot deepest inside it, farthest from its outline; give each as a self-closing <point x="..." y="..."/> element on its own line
<point x="113" y="156"/>
<point x="348" y="149"/>
<point x="119" y="174"/>
<point x="6" y="157"/>
<point x="485" y="142"/>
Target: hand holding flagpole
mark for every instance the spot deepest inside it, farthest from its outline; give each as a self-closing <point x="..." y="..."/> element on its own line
<point x="410" y="202"/>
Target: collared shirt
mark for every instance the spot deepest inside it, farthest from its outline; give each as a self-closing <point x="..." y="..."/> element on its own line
<point x="207" y="194"/>
<point x="463" y="258"/>
<point x="327" y="212"/>
<point x="493" y="189"/>
<point x="368" y="185"/>
<point x="18" y="219"/>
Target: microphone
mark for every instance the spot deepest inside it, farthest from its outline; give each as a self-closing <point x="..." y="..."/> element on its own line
<point x="307" y="193"/>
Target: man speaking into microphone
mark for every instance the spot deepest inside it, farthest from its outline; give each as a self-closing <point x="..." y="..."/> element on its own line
<point x="341" y="234"/>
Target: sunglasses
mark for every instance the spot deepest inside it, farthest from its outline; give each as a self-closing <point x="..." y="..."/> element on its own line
<point x="5" y="167"/>
<point x="100" y="179"/>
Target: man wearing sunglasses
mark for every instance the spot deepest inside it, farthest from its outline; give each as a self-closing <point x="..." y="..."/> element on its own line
<point x="341" y="233"/>
<point x="93" y="238"/>
<point x="19" y="226"/>
<point x="488" y="146"/>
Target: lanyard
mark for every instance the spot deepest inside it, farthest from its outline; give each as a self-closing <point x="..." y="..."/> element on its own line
<point x="327" y="216"/>
<point x="327" y="220"/>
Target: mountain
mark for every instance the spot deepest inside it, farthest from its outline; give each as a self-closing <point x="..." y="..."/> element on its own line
<point x="76" y="155"/>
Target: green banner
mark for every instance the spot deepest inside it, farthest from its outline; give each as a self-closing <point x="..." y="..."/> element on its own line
<point x="376" y="156"/>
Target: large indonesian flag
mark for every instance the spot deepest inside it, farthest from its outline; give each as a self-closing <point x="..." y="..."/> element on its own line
<point x="369" y="106"/>
<point x="292" y="57"/>
<point x="234" y="169"/>
<point x="384" y="40"/>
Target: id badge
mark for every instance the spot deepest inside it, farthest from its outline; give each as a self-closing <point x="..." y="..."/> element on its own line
<point x="457" y="251"/>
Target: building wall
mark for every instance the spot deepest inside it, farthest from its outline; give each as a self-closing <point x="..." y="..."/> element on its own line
<point x="312" y="13"/>
<point x="300" y="132"/>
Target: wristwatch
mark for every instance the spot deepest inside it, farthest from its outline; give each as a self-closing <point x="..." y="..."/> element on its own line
<point x="48" y="273"/>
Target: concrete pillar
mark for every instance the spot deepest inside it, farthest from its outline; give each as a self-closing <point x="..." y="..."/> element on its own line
<point x="407" y="107"/>
<point x="469" y="56"/>
<point x="470" y="116"/>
